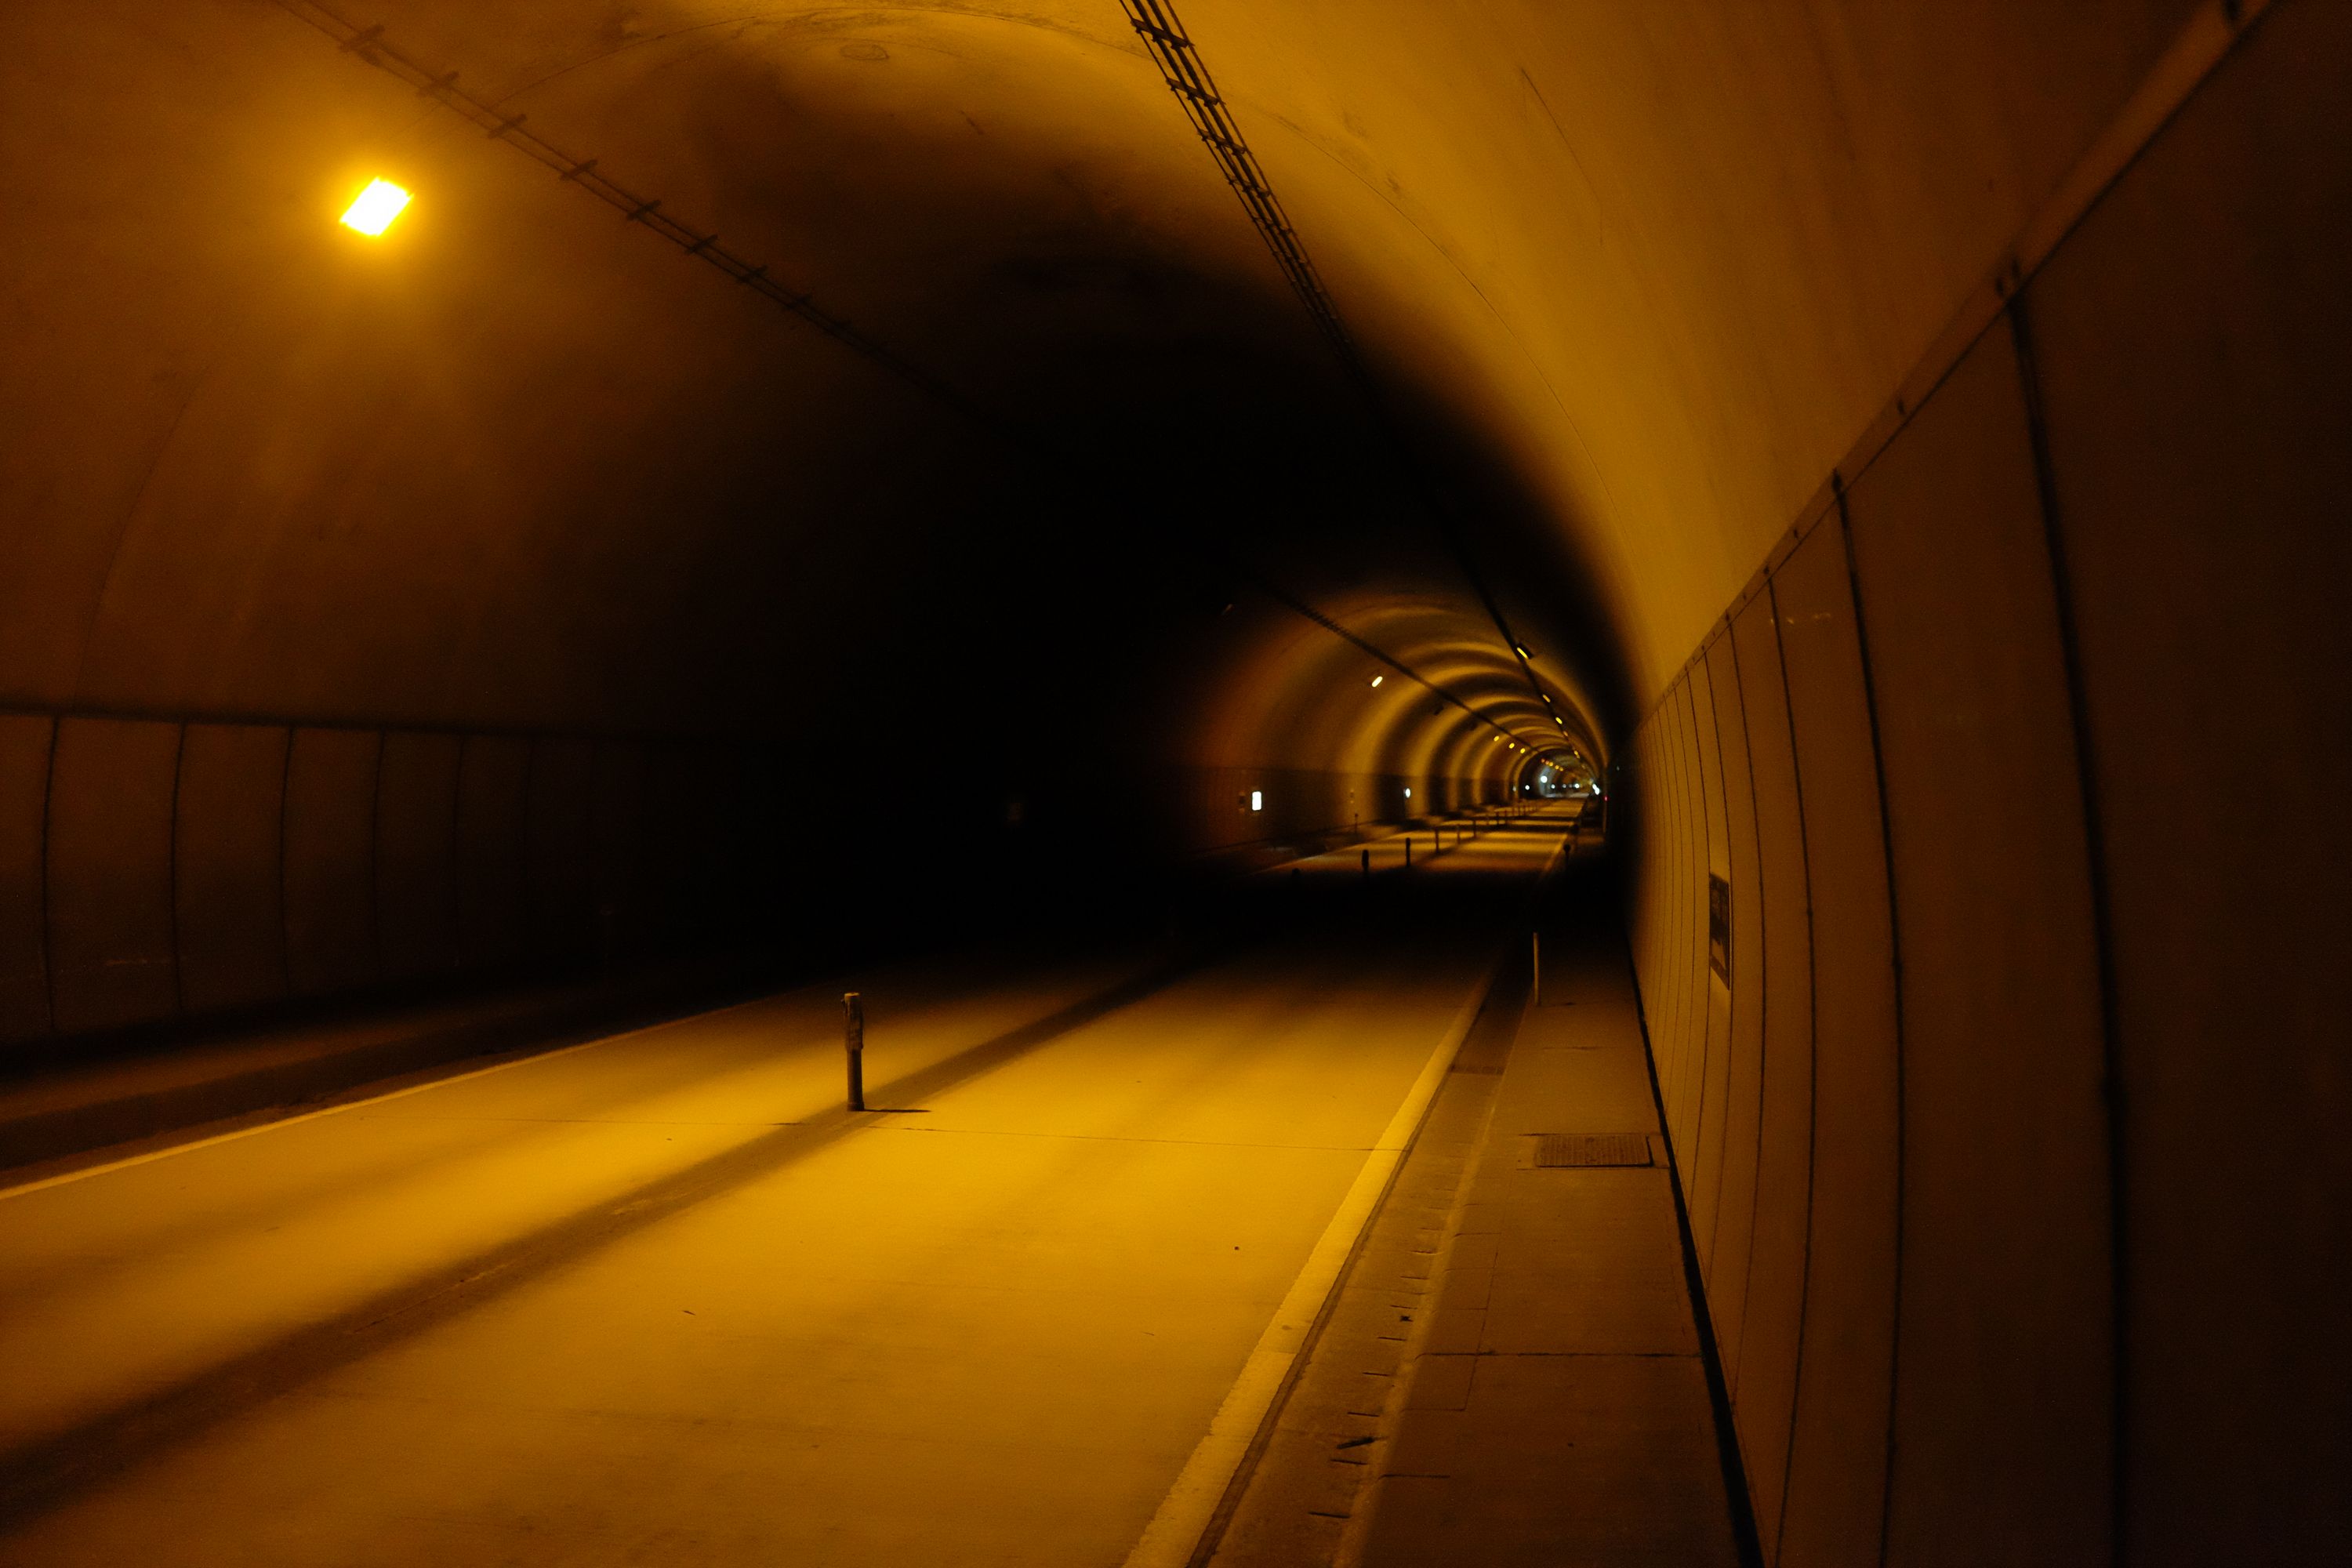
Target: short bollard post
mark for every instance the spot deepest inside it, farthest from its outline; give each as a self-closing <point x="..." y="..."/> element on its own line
<point x="1535" y="969"/>
<point x="853" y="1042"/>
<point x="1367" y="865"/>
<point x="1408" y="851"/>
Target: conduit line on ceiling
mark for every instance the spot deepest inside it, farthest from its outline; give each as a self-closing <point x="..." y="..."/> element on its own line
<point x="1156" y="23"/>
<point x="1171" y="49"/>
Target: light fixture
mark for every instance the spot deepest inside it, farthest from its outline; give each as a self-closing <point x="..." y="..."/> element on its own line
<point x="372" y="211"/>
<point x="1377" y="679"/>
<point x="1258" y="800"/>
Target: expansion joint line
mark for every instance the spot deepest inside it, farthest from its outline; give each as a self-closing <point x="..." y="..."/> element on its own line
<point x="369" y="44"/>
<point x="1172" y="50"/>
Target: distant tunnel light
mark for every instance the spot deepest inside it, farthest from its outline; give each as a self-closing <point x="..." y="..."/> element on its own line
<point x="1258" y="800"/>
<point x="1377" y="679"/>
<point x="374" y="208"/>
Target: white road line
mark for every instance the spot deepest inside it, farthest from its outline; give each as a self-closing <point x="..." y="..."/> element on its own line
<point x="1174" y="1532"/>
<point x="154" y="1154"/>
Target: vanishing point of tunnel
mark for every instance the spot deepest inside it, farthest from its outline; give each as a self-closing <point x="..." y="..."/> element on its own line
<point x="1176" y="783"/>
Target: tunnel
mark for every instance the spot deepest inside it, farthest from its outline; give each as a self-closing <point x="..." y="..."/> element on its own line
<point x="1566" y="782"/>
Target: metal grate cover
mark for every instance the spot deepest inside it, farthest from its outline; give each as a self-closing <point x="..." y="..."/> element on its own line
<point x="1556" y="1150"/>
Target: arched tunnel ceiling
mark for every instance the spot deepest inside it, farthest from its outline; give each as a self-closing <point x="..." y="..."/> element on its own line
<point x="1634" y="277"/>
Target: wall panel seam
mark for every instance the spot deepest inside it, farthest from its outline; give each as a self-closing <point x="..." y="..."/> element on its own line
<point x="2111" y="1084"/>
<point x="1812" y="1087"/>
<point x="1730" y="1001"/>
<point x="457" y="858"/>
<point x="1747" y="1540"/>
<point x="1702" y="996"/>
<point x="2211" y="33"/>
<point x="1763" y="1002"/>
<point x="171" y="878"/>
<point x="49" y="937"/>
<point x="526" y="915"/>
<point x="1895" y="956"/>
<point x="285" y="896"/>
<point x="375" y="859"/>
<point x="1669" y="898"/>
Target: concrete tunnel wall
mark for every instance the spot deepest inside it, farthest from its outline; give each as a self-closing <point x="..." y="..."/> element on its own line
<point x="366" y="620"/>
<point x="347" y="642"/>
<point x="2009" y="1124"/>
<point x="154" y="870"/>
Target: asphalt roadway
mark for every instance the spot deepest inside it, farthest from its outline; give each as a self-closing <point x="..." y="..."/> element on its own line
<point x="662" y="1299"/>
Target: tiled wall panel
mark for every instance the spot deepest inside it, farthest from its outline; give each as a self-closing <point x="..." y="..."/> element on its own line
<point x="110" y="873"/>
<point x="416" y="854"/>
<point x="620" y="817"/>
<point x="562" y="848"/>
<point x="1689" y="851"/>
<point x="1662" y="828"/>
<point x="493" y="783"/>
<point x="2040" y="933"/>
<point x="157" y="869"/>
<point x="228" y="881"/>
<point x="23" y="937"/>
<point x="1733" y="1229"/>
<point x="329" y="830"/>
<point x="2003" y="1389"/>
<point x="1706" y="1176"/>
<point x="2189" y="347"/>
<point x="1765" y="1395"/>
<point x="1838" y="1459"/>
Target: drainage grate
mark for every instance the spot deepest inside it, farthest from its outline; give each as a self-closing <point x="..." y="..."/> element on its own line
<point x="1558" y="1149"/>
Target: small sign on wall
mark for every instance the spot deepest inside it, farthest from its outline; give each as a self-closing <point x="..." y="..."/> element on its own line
<point x="1718" y="927"/>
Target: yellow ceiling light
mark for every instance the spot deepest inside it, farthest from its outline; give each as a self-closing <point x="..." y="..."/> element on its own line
<point x="372" y="211"/>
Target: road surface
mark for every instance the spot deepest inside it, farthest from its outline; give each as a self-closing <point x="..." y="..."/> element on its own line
<point x="661" y="1299"/>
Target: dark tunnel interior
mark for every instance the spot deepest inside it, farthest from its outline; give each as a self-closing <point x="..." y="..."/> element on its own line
<point x="806" y="492"/>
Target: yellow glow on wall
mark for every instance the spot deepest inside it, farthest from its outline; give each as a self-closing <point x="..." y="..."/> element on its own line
<point x="372" y="212"/>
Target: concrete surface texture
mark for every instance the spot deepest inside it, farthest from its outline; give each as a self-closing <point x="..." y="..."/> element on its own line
<point x="823" y="483"/>
<point x="1513" y="1371"/>
<point x="1940" y="1119"/>
<point x="659" y="1295"/>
